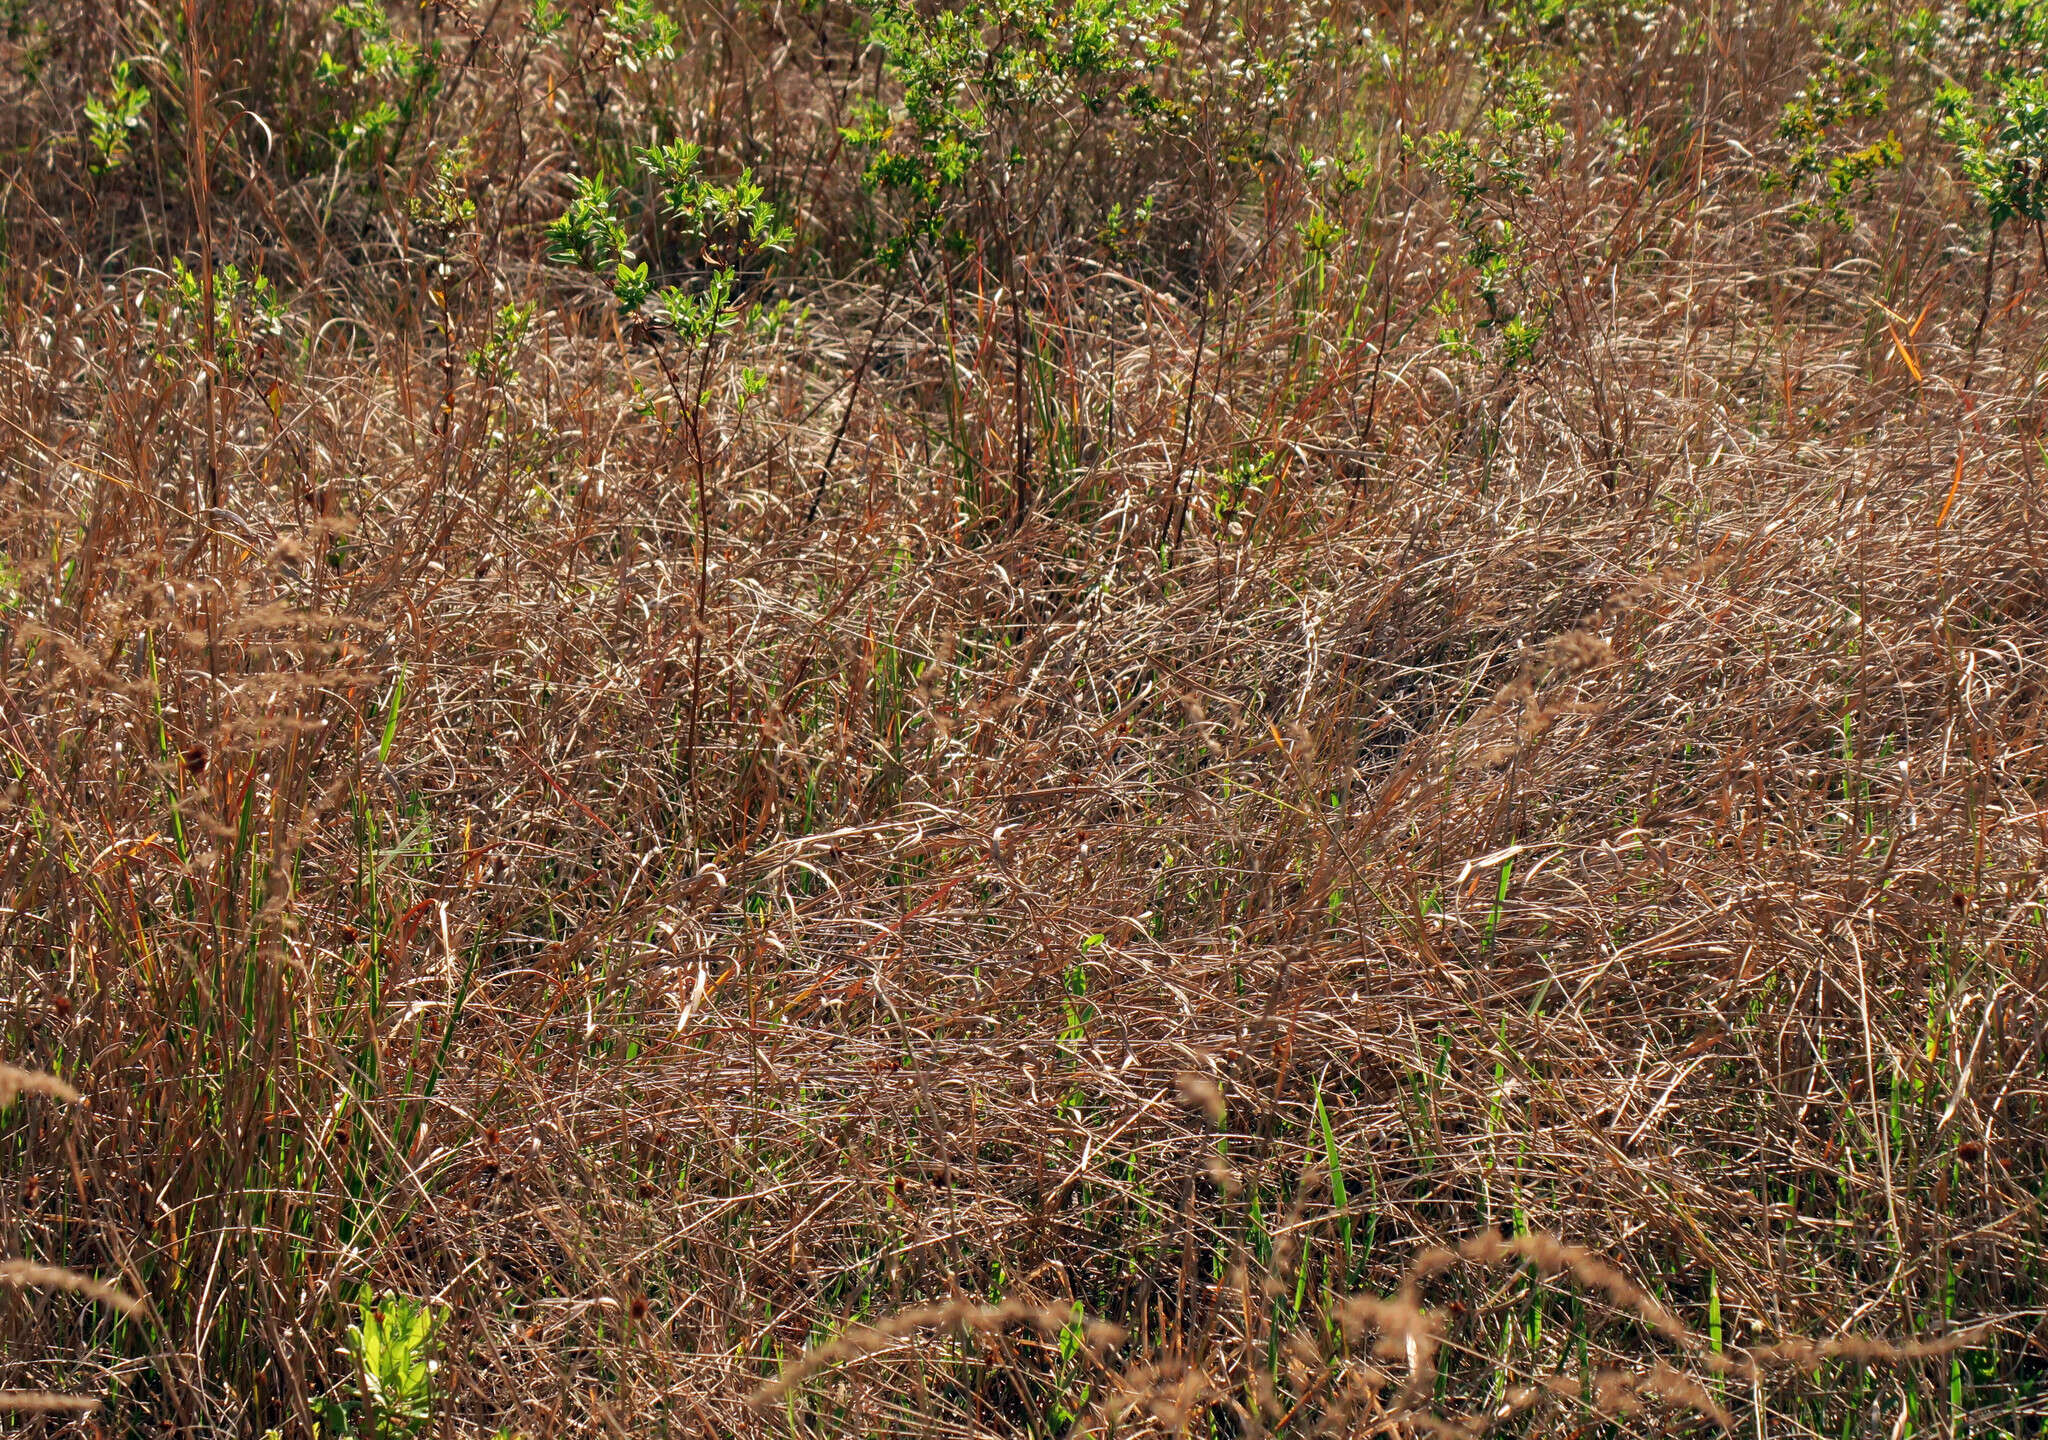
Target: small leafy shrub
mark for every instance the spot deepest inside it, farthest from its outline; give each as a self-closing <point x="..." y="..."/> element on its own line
<point x="246" y="311"/>
<point x="1991" y="108"/>
<point x="393" y="79"/>
<point x="113" y="120"/>
<point x="496" y="360"/>
<point x="2001" y="146"/>
<point x="996" y="95"/>
<point x="638" y="33"/>
<point x="1487" y="173"/>
<point x="443" y="202"/>
<point x="1831" y="172"/>
<point x="1985" y="64"/>
<point x="729" y="228"/>
<point x="392" y="1346"/>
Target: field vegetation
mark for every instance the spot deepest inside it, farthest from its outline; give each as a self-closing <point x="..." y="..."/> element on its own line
<point x="1023" y="718"/>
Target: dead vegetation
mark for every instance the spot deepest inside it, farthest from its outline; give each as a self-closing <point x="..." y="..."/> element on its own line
<point x="1093" y="826"/>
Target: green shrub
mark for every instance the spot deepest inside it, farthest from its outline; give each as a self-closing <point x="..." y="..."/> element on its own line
<point x="1487" y="172"/>
<point x="113" y="120"/>
<point x="392" y="1346"/>
<point x="996" y="96"/>
<point x="1850" y="84"/>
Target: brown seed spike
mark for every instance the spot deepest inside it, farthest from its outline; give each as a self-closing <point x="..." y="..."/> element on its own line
<point x="1200" y="1092"/>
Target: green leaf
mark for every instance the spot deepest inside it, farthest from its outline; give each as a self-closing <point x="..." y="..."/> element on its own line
<point x="391" y="716"/>
<point x="1339" y="1196"/>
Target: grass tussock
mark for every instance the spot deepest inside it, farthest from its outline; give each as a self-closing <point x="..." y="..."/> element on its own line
<point x="996" y="719"/>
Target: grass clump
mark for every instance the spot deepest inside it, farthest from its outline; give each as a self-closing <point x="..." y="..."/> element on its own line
<point x="1017" y="719"/>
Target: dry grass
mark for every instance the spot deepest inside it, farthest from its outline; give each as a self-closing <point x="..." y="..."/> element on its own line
<point x="1083" y="957"/>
